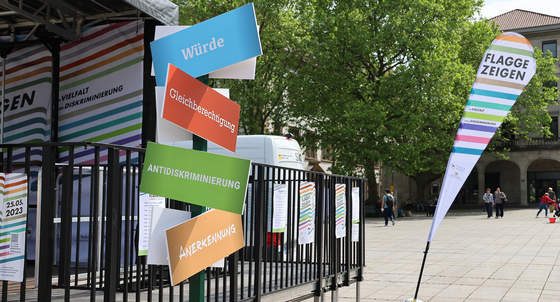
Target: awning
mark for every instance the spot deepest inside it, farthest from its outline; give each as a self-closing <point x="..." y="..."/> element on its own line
<point x="66" y="18"/>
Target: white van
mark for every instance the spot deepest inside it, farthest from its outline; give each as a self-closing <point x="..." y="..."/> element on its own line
<point x="261" y="149"/>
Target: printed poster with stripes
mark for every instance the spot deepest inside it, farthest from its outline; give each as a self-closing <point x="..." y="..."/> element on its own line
<point x="13" y="222"/>
<point x="100" y="98"/>
<point x="340" y="201"/>
<point x="506" y="68"/>
<point x="306" y="212"/>
<point x="101" y="80"/>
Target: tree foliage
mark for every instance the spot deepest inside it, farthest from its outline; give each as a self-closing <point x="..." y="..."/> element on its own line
<point x="261" y="99"/>
<point x="376" y="81"/>
<point x="529" y="115"/>
<point x="387" y="81"/>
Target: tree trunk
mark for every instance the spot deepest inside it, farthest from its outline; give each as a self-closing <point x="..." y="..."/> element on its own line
<point x="372" y="184"/>
<point x="423" y="179"/>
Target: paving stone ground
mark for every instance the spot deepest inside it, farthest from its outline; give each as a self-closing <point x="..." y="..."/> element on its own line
<point x="472" y="258"/>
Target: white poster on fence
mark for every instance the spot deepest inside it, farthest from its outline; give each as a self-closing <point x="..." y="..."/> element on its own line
<point x="13" y="222"/>
<point x="306" y="212"/>
<point x="147" y="203"/>
<point x="163" y="219"/>
<point x="279" y="218"/>
<point x="340" y="214"/>
<point x="355" y="205"/>
<point x="355" y="232"/>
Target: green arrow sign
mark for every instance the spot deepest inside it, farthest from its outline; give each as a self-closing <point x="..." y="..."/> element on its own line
<point x="196" y="177"/>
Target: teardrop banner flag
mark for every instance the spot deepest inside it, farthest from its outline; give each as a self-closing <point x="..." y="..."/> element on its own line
<point x="506" y="68"/>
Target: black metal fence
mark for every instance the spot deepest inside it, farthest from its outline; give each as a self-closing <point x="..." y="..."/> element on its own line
<point x="87" y="221"/>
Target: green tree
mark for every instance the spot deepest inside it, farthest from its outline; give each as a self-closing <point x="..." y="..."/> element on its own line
<point x="387" y="81"/>
<point x="261" y="99"/>
<point x="529" y="114"/>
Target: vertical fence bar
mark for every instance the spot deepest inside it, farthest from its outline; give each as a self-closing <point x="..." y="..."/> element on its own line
<point x="66" y="230"/>
<point x="4" y="283"/>
<point x="95" y="221"/>
<point x="348" y="237"/>
<point x="113" y="227"/>
<point x="78" y="225"/>
<point x="259" y="226"/>
<point x="103" y="222"/>
<point x="334" y="266"/>
<point x="91" y="226"/>
<point x="233" y="266"/>
<point x="23" y="284"/>
<point x="47" y="237"/>
<point x="127" y="239"/>
<point x="319" y="236"/>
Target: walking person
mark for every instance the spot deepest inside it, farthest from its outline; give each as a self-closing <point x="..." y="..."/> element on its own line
<point x="388" y="206"/>
<point x="499" y="202"/>
<point x="488" y="202"/>
<point x="545" y="200"/>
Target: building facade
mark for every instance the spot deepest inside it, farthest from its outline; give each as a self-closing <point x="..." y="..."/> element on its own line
<point x="532" y="166"/>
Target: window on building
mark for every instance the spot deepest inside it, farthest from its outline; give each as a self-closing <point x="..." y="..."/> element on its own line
<point x="550" y="45"/>
<point x="551" y="84"/>
<point x="311" y="153"/>
<point x="554" y="127"/>
<point x="326" y="154"/>
<point x="295" y="132"/>
<point x="435" y="188"/>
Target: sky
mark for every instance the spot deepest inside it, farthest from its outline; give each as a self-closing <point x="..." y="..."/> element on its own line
<point x="493" y="8"/>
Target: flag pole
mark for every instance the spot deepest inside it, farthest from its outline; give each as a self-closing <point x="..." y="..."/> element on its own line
<point x="422" y="270"/>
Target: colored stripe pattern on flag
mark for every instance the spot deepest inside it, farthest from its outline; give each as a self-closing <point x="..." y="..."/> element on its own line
<point x="506" y="68"/>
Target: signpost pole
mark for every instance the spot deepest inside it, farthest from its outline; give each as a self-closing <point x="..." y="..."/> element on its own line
<point x="196" y="282"/>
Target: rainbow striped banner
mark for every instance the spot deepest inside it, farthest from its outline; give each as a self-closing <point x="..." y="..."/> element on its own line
<point x="506" y="68"/>
<point x="100" y="99"/>
<point x="306" y="212"/>
<point x="340" y="214"/>
<point x="13" y="223"/>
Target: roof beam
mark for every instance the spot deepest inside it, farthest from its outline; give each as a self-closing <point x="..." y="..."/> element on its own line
<point x="66" y="34"/>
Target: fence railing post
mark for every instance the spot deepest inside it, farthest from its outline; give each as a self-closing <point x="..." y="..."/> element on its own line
<point x="335" y="249"/>
<point x="348" y="238"/>
<point x="233" y="262"/>
<point x="319" y="234"/>
<point x="113" y="227"/>
<point x="259" y="233"/>
<point x="47" y="238"/>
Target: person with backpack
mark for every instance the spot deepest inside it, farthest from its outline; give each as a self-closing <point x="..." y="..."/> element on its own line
<point x="388" y="206"/>
<point x="488" y="202"/>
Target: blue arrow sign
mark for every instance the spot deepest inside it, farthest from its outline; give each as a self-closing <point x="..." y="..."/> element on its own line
<point x="210" y="45"/>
